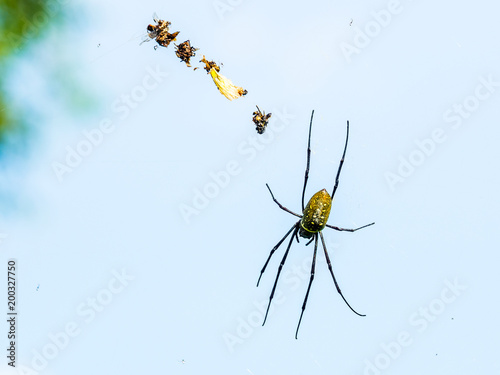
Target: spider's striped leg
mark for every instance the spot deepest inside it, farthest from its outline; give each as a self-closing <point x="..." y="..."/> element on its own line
<point x="273" y="250"/>
<point x="348" y="230"/>
<point x="313" y="266"/>
<point x="308" y="160"/>
<point x="279" y="270"/>
<point x="333" y="276"/>
<point x="341" y="162"/>
<point x="280" y="205"/>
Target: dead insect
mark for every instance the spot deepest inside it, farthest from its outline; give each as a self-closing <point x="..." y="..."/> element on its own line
<point x="260" y="119"/>
<point x="312" y="221"/>
<point x="224" y="84"/>
<point x="185" y="51"/>
<point x="209" y="65"/>
<point x="160" y="33"/>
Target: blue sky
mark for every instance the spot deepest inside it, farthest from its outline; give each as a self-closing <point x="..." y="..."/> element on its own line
<point x="128" y="283"/>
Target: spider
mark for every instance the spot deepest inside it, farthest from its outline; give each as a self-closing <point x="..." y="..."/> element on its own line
<point x="312" y="221"/>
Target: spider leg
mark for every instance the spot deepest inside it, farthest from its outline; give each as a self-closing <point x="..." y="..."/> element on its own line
<point x="333" y="276"/>
<point x="341" y="162"/>
<point x="279" y="271"/>
<point x="308" y="160"/>
<point x="273" y="250"/>
<point x="280" y="205"/>
<point x="348" y="230"/>
<point x="313" y="266"/>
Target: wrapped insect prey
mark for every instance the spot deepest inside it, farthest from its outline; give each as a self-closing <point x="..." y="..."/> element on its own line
<point x="260" y="119"/>
<point x="185" y="51"/>
<point x="160" y="32"/>
<point x="224" y="84"/>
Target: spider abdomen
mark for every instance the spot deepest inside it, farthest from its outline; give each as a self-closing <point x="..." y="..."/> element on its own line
<point x="315" y="215"/>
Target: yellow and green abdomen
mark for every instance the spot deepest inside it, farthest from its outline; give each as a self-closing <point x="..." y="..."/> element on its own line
<point x="315" y="215"/>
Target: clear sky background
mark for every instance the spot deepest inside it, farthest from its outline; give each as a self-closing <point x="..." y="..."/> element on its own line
<point x="124" y="282"/>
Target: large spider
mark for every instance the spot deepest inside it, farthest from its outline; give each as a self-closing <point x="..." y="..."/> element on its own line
<point x="312" y="221"/>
